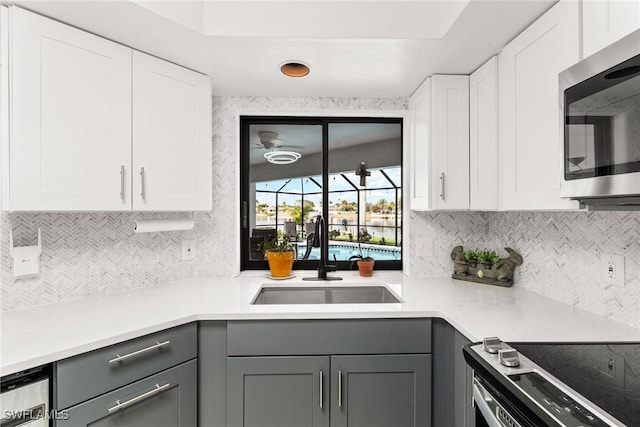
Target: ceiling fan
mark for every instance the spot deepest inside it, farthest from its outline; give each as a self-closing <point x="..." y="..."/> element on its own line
<point x="270" y="140"/>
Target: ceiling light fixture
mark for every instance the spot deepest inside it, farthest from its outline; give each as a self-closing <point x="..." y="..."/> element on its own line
<point x="294" y="69"/>
<point x="282" y="157"/>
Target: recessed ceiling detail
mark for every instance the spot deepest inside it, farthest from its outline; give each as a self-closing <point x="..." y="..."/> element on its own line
<point x="358" y="48"/>
<point x="359" y="19"/>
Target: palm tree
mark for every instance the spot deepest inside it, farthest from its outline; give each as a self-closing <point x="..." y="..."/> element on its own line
<point x="300" y="214"/>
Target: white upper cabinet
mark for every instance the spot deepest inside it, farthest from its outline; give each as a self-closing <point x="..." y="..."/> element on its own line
<point x="605" y="21"/>
<point x="420" y="148"/>
<point x="70" y="118"/>
<point x="483" y="137"/>
<point x="87" y="114"/>
<point x="529" y="98"/>
<point x="171" y="136"/>
<point x="450" y="132"/>
<point x="440" y="144"/>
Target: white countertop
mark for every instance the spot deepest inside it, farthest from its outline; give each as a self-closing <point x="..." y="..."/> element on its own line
<point x="44" y="334"/>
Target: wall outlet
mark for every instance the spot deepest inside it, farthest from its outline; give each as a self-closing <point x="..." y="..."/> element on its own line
<point x="612" y="267"/>
<point x="188" y="249"/>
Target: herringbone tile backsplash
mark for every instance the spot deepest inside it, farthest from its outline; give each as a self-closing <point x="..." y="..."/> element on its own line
<point x="561" y="252"/>
<point x="98" y="253"/>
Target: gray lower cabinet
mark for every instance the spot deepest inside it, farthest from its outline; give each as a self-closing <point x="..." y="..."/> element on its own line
<point x="299" y="373"/>
<point x="381" y="390"/>
<point x="452" y="378"/>
<point x="353" y="390"/>
<point x="166" y="399"/>
<point x="278" y="391"/>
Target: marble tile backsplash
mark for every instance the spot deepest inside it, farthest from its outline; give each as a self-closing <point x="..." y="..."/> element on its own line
<point x="562" y="251"/>
<point x="97" y="253"/>
<point x="87" y="254"/>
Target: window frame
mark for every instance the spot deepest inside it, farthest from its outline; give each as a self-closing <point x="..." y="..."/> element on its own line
<point x="245" y="122"/>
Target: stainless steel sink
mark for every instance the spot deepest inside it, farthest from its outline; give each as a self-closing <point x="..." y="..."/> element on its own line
<point x="325" y="295"/>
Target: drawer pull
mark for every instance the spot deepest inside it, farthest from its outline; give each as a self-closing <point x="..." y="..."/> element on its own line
<point x="143" y="396"/>
<point x="138" y="352"/>
<point x="339" y="389"/>
<point x="321" y="388"/>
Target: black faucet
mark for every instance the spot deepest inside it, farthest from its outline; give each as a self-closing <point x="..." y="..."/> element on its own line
<point x="320" y="241"/>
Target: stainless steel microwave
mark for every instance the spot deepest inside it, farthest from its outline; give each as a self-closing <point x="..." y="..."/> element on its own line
<point x="600" y="110"/>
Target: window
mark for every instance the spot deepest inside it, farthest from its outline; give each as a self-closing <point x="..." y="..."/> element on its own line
<point x="346" y="169"/>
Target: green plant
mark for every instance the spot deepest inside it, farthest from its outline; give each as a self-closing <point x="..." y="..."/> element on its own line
<point x="487" y="256"/>
<point x="334" y="234"/>
<point x="279" y="243"/>
<point x="471" y="255"/>
<point x="383" y="241"/>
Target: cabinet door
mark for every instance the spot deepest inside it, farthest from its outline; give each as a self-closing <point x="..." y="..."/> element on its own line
<point x="420" y="147"/>
<point x="483" y="137"/>
<point x="171" y="136"/>
<point x="530" y="143"/>
<point x="606" y="21"/>
<point x="450" y="142"/>
<point x="70" y="113"/>
<point x="166" y="399"/>
<point x="381" y="391"/>
<point x="464" y="414"/>
<point x="278" y="391"/>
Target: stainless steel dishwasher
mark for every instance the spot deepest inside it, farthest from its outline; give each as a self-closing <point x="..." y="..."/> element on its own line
<point x="24" y="398"/>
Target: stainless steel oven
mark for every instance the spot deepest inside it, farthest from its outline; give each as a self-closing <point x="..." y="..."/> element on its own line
<point x="556" y="385"/>
<point x="600" y="110"/>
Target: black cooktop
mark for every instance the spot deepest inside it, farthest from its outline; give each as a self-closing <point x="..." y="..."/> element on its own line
<point x="606" y="374"/>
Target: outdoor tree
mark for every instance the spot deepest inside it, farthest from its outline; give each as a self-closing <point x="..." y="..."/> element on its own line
<point x="299" y="213"/>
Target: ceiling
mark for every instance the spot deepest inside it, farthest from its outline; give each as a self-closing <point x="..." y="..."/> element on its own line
<point x="307" y="139"/>
<point x="355" y="48"/>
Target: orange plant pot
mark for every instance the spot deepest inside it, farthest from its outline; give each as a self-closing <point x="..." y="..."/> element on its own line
<point x="366" y="268"/>
<point x="280" y="263"/>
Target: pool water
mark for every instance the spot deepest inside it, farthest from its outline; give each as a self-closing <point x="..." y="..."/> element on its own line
<point x="343" y="253"/>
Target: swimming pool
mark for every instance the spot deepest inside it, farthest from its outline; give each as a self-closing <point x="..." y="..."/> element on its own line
<point x="343" y="252"/>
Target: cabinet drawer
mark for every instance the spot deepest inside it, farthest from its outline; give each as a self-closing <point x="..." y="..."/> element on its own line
<point x="167" y="399"/>
<point x="311" y="337"/>
<point x="88" y="375"/>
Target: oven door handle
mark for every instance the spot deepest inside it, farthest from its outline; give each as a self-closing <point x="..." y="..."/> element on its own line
<point x="482" y="398"/>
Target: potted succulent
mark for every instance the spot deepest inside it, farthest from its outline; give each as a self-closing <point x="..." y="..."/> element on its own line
<point x="280" y="255"/>
<point x="487" y="258"/>
<point x="472" y="258"/>
<point x="365" y="263"/>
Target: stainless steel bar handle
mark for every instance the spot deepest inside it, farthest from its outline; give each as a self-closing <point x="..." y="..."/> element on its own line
<point x="321" y="391"/>
<point x="142" y="192"/>
<point x="143" y="396"/>
<point x="122" y="182"/>
<point x="484" y="403"/>
<point x="138" y="352"/>
<point x="339" y="389"/>
<point x="442" y="185"/>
